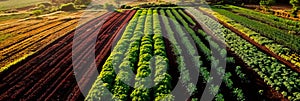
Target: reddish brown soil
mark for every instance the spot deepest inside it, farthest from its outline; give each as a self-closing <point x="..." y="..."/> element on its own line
<point x="170" y="55"/>
<point x="49" y="74"/>
<point x="103" y="54"/>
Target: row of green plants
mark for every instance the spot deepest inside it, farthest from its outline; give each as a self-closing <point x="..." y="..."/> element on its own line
<point x="189" y="19"/>
<point x="178" y="49"/>
<point x="273" y="73"/>
<point x="202" y="47"/>
<point x="143" y="76"/>
<point x="236" y="92"/>
<point x="292" y="26"/>
<point x="103" y="85"/>
<point x="207" y="56"/>
<point x="286" y="39"/>
<point x="214" y="59"/>
<point x="122" y="88"/>
<point x="144" y="56"/>
<point x="204" y="74"/>
<point x="279" y="49"/>
<point x="162" y="79"/>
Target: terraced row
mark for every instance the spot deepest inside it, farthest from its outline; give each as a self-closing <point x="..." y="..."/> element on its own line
<point x="45" y="71"/>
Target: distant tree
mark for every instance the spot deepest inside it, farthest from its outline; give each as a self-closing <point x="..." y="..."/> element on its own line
<point x="266" y="4"/>
<point x="61" y="1"/>
<point x="82" y="2"/>
<point x="296" y="6"/>
<point x="68" y="7"/>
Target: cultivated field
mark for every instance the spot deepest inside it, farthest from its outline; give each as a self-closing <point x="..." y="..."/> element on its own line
<point x="9" y="4"/>
<point x="152" y="52"/>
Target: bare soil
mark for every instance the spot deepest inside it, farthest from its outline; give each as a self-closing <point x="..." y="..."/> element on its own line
<point x="49" y="74"/>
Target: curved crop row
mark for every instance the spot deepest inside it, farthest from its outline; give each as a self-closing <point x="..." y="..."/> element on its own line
<point x="50" y="69"/>
<point x="121" y="90"/>
<point x="288" y="40"/>
<point x="282" y="51"/>
<point x="10" y="28"/>
<point x="268" y="68"/>
<point x="213" y="59"/>
<point x="20" y="51"/>
<point x="20" y="35"/>
<point x="186" y="48"/>
<point x="103" y="85"/>
<point x="143" y="76"/>
<point x="162" y="79"/>
<point x="286" y="24"/>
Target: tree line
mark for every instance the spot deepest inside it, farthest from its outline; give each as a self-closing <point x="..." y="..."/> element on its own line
<point x="71" y="1"/>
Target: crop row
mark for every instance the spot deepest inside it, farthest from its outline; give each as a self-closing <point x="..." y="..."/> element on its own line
<point x="145" y="42"/>
<point x="286" y="24"/>
<point x="19" y="51"/>
<point x="20" y="35"/>
<point x="10" y="28"/>
<point x="219" y="55"/>
<point x="104" y="83"/>
<point x="162" y="77"/>
<point x="288" y="40"/>
<point x="268" y="68"/>
<point x="141" y="50"/>
<point x="46" y="68"/>
<point x="276" y="48"/>
<point x="204" y="74"/>
<point x="144" y="71"/>
<point x="105" y="40"/>
<point x="187" y="53"/>
<point x="31" y="41"/>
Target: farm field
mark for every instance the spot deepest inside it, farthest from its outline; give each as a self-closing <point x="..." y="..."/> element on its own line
<point x="18" y="44"/>
<point x="8" y="4"/>
<point x="151" y="51"/>
<point x="263" y="35"/>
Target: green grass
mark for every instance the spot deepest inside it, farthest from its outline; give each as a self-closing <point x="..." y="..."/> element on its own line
<point x="11" y="4"/>
<point x="3" y="37"/>
<point x="14" y="16"/>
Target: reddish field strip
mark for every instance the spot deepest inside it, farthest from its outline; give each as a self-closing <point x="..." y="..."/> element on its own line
<point x="170" y="54"/>
<point x="84" y="48"/>
<point x="260" y="47"/>
<point x="47" y="54"/>
<point x="46" y="72"/>
<point x="103" y="50"/>
<point x="54" y="50"/>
